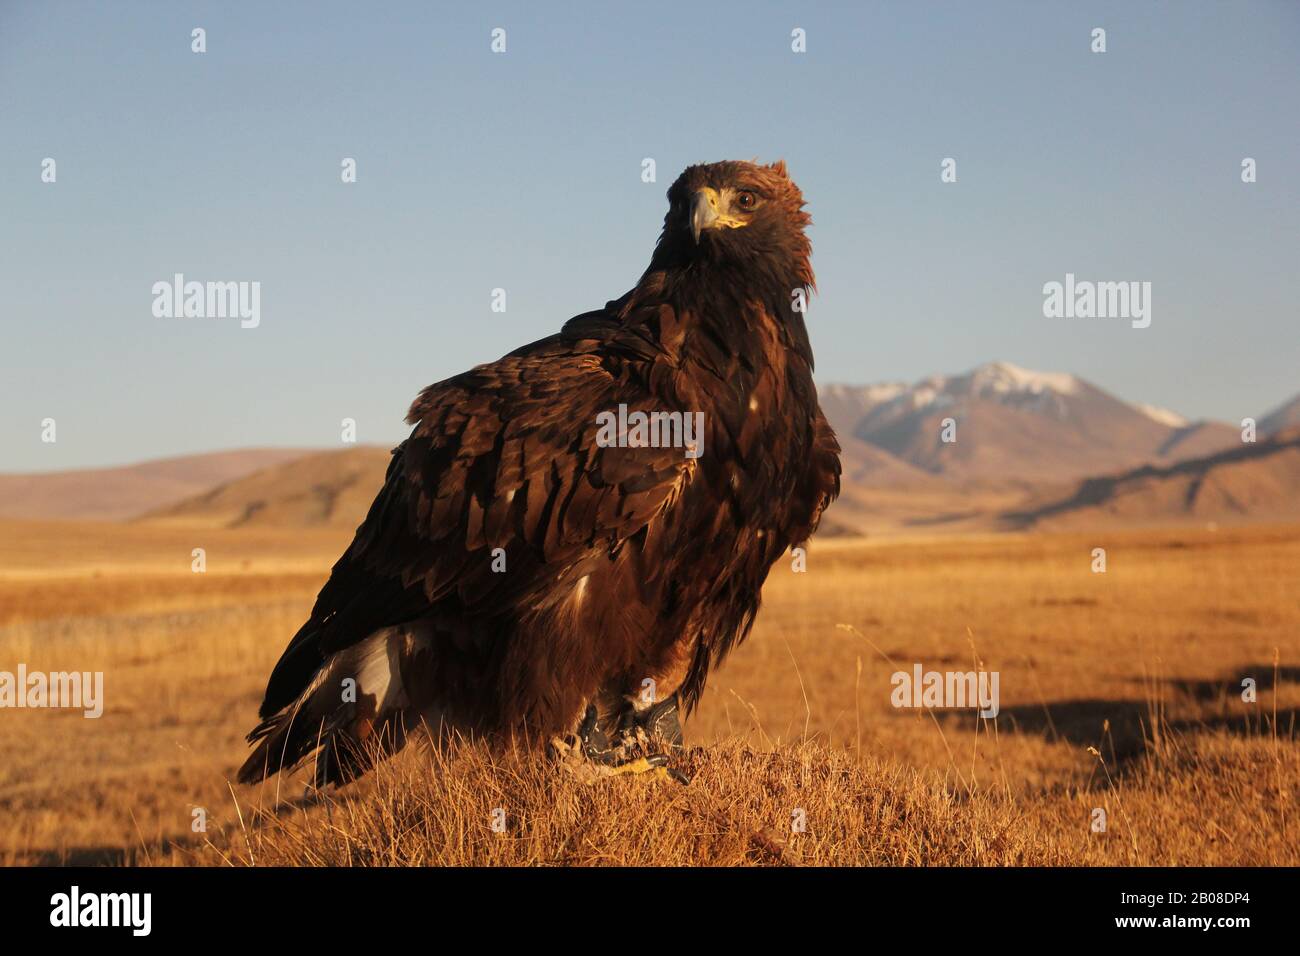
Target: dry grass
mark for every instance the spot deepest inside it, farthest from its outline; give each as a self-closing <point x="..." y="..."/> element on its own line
<point x="801" y="804"/>
<point x="1142" y="664"/>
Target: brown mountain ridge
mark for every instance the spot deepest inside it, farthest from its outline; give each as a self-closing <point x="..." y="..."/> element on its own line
<point x="1253" y="481"/>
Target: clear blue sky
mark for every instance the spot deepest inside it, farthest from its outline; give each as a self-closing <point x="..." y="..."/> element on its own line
<point x="522" y="171"/>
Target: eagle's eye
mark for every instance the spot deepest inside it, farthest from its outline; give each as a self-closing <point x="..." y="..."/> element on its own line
<point x="746" y="200"/>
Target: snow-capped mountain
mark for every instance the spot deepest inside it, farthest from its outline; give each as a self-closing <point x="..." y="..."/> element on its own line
<point x="1013" y="423"/>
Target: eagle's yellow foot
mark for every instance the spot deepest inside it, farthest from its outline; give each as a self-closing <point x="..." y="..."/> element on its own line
<point x="649" y="769"/>
<point x="652" y="768"/>
<point x="639" y="765"/>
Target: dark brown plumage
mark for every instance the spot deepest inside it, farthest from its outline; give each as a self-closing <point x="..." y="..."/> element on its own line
<point x="621" y="564"/>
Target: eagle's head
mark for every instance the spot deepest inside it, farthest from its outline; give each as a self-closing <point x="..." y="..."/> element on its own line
<point x="740" y="214"/>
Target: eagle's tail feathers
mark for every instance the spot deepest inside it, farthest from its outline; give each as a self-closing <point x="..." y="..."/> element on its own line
<point x="354" y="712"/>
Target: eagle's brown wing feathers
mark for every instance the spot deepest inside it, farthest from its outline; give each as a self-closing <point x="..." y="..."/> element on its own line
<point x="501" y="457"/>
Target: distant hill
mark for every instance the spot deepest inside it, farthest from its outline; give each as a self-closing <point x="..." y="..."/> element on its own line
<point x="1198" y="439"/>
<point x="865" y="465"/>
<point x="846" y="405"/>
<point x="333" y="488"/>
<point x="114" y="494"/>
<point x="1258" y="481"/>
<point x="1286" y="415"/>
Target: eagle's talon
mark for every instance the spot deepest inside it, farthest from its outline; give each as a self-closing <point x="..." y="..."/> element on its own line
<point x="632" y="743"/>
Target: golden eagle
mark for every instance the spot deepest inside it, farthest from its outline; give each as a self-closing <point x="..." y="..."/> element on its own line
<point x="573" y="535"/>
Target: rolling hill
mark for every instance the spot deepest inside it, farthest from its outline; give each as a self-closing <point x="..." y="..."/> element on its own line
<point x="324" y="489"/>
<point x="114" y="494"/>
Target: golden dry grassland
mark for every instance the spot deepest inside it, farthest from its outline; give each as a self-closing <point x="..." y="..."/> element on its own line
<point x="1119" y="691"/>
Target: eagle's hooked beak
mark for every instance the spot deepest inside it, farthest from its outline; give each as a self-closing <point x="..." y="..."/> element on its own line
<point x="704" y="211"/>
<point x="711" y="209"/>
